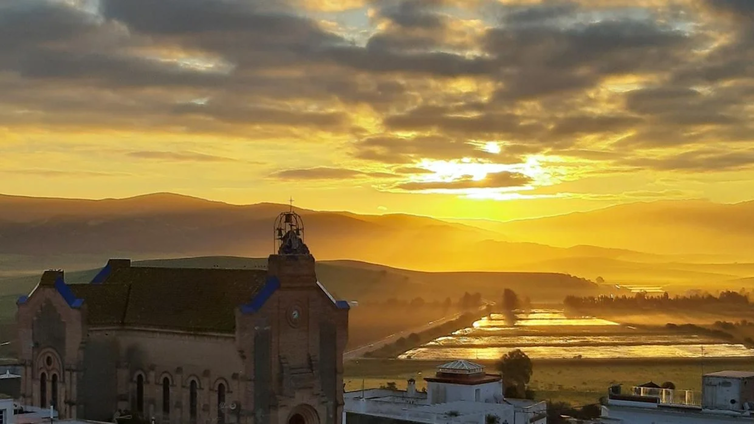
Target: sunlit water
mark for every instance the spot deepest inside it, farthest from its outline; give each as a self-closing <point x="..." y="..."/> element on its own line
<point x="549" y="334"/>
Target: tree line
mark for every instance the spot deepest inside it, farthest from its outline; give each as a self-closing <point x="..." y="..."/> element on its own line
<point x="642" y="299"/>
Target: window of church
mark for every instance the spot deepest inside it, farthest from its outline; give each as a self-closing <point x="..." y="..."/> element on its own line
<point x="54" y="390"/>
<point x="2" y="416"/>
<point x="43" y="390"/>
<point x="140" y="393"/>
<point x="221" y="403"/>
<point x="166" y="397"/>
<point x="192" y="400"/>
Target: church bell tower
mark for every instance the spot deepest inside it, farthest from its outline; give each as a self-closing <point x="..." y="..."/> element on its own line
<point x="293" y="264"/>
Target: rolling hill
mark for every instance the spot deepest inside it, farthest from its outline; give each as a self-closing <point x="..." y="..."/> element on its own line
<point x="690" y="242"/>
<point x="35" y="233"/>
<point x="664" y="227"/>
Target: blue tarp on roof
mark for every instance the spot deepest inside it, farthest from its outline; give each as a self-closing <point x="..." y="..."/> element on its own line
<point x="102" y="275"/>
<point x="270" y="286"/>
<point x="67" y="294"/>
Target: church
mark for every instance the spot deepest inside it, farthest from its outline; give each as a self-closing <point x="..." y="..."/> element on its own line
<point x="188" y="345"/>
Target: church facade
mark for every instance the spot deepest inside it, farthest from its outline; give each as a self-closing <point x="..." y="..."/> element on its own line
<point x="181" y="345"/>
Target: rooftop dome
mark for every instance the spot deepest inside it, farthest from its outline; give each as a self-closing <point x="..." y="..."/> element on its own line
<point x="460" y="367"/>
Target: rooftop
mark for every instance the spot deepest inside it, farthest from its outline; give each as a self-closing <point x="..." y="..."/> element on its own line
<point x="460" y="367"/>
<point x="731" y="374"/>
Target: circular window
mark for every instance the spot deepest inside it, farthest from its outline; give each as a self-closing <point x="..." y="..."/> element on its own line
<point x="732" y="401"/>
<point x="294" y="316"/>
<point x="48" y="360"/>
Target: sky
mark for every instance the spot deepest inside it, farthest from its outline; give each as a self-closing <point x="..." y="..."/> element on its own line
<point x="500" y="109"/>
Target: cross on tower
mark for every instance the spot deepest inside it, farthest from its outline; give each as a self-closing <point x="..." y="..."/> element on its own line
<point x="291" y="202"/>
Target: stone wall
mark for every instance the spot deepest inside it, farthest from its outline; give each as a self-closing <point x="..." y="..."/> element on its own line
<point x="209" y="360"/>
<point x="49" y="337"/>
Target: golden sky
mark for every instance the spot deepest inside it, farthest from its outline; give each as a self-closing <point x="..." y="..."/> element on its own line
<point x="454" y="108"/>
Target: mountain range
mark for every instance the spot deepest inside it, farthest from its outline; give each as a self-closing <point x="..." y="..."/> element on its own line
<point x="672" y="242"/>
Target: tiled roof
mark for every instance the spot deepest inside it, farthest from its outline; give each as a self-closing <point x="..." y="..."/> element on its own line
<point x="171" y="298"/>
<point x="105" y="305"/>
<point x="461" y="367"/>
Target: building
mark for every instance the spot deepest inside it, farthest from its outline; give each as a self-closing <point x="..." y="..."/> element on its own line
<point x="460" y="392"/>
<point x="178" y="345"/>
<point x="10" y="384"/>
<point x="726" y="397"/>
<point x="6" y="409"/>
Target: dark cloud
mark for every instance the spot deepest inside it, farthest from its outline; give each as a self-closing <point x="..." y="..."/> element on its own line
<point x="412" y="170"/>
<point x="586" y="124"/>
<point x="736" y="9"/>
<point x="703" y="160"/>
<point x="491" y="181"/>
<point x="178" y="156"/>
<point x="543" y="59"/>
<point x="409" y="150"/>
<point x="264" y="115"/>
<point x="547" y="76"/>
<point x="438" y="119"/>
<point x="326" y="173"/>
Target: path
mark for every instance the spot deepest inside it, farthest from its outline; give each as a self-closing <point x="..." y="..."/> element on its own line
<point x="361" y="350"/>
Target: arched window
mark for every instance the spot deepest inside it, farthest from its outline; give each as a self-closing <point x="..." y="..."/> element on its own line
<point x="140" y="393"/>
<point x="54" y="391"/>
<point x="192" y="400"/>
<point x="221" y="403"/>
<point x="43" y="390"/>
<point x="166" y="397"/>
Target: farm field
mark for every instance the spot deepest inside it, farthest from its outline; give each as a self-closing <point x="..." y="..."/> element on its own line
<point x="549" y="334"/>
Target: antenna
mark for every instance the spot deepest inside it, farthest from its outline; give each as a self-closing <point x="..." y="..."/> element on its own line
<point x="702" y="346"/>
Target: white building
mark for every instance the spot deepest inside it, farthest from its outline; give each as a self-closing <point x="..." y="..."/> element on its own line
<point x="727" y="397"/>
<point x="6" y="409"/>
<point x="459" y="393"/>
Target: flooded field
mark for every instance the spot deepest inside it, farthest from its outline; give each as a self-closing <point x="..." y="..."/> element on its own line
<point x="549" y="334"/>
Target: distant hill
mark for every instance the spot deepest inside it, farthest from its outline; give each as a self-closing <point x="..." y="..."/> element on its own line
<point x="691" y="242"/>
<point x="87" y="232"/>
<point x="361" y="281"/>
<point x="665" y="227"/>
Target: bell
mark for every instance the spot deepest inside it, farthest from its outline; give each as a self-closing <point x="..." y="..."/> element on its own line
<point x="288" y="218"/>
<point x="298" y="232"/>
<point x="280" y="232"/>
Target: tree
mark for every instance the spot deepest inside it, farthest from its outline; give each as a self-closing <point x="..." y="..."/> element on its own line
<point x="668" y="385"/>
<point x="516" y="368"/>
<point x="390" y="386"/>
<point x="491" y="419"/>
<point x="510" y="300"/>
<point x="509" y="306"/>
<point x="600" y="280"/>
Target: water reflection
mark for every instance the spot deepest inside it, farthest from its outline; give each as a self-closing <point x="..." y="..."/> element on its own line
<point x="549" y="334"/>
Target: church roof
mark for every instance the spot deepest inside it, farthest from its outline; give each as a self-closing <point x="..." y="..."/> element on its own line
<point x="186" y="299"/>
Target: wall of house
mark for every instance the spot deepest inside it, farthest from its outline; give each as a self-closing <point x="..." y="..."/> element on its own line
<point x="721" y="393"/>
<point x="6" y="411"/>
<point x="660" y="416"/>
<point x="446" y="392"/>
